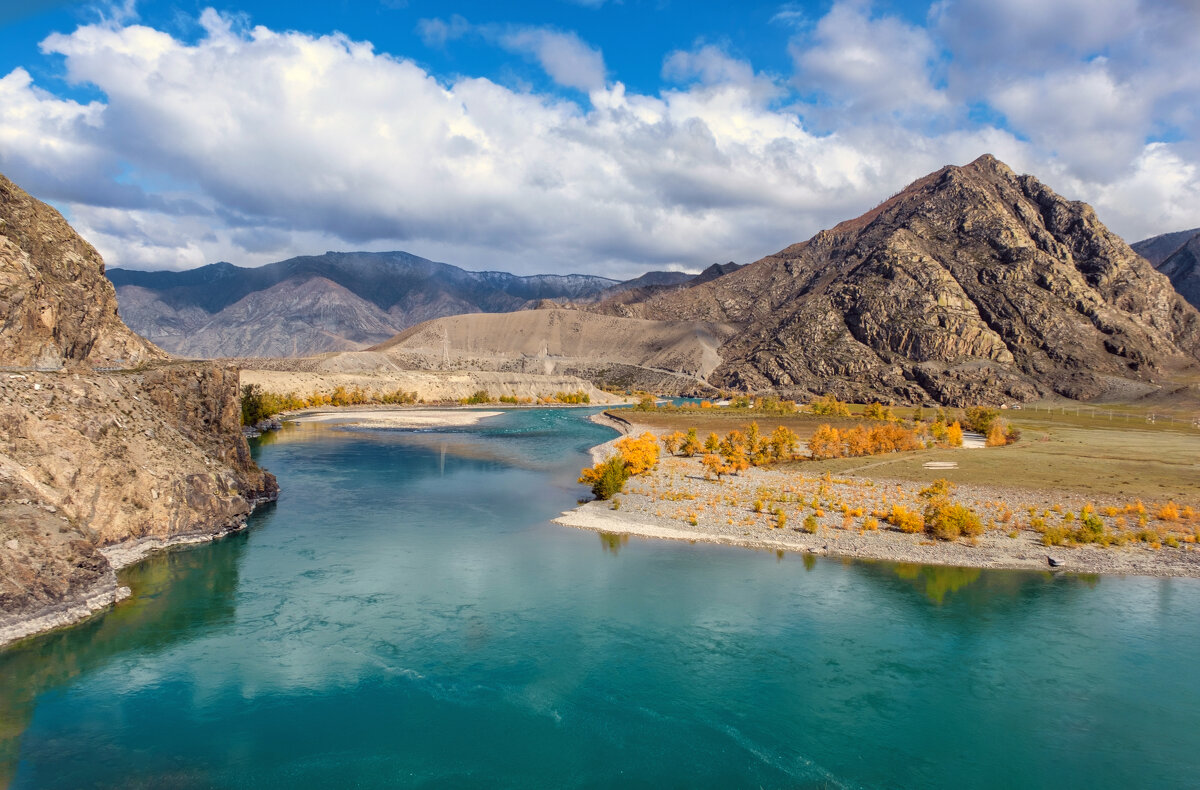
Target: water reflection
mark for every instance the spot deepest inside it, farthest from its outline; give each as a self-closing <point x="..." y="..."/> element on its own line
<point x="176" y="596"/>
<point x="936" y="581"/>
<point x="611" y="542"/>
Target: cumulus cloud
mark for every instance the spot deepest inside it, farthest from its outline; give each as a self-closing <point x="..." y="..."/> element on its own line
<point x="250" y="144"/>
<point x="868" y="64"/>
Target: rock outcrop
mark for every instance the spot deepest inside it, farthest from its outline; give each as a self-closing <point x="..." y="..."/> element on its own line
<point x="107" y="449"/>
<point x="971" y="285"/>
<point x="1176" y="255"/>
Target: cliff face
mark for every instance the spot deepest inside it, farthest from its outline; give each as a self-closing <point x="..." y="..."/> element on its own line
<point x="971" y="285"/>
<point x="97" y="466"/>
<point x="56" y="306"/>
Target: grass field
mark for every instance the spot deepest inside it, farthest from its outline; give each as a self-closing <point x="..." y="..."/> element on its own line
<point x="1122" y="458"/>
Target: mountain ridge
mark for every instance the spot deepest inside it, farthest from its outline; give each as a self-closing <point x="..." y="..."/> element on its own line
<point x="1176" y="255"/>
<point x="972" y="284"/>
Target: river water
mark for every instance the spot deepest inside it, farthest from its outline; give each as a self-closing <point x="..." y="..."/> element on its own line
<point x="407" y="616"/>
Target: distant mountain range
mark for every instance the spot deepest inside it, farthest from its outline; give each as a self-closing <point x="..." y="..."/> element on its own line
<point x="334" y="302"/>
<point x="1176" y="255"/>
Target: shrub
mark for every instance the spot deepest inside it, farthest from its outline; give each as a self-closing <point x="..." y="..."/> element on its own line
<point x="606" y="478"/>
<point x="980" y="419"/>
<point x="997" y="436"/>
<point x="479" y="396"/>
<point x="252" y="404"/>
<point x="1168" y="512"/>
<point x="905" y="520"/>
<point x="810" y="523"/>
<point x="939" y="488"/>
<point x="1055" y="536"/>
<point x="948" y="520"/>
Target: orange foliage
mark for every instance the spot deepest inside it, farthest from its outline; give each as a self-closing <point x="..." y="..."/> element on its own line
<point x="640" y="454"/>
<point x="826" y="442"/>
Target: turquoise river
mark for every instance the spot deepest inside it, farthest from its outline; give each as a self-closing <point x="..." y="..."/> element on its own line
<point x="407" y="616"/>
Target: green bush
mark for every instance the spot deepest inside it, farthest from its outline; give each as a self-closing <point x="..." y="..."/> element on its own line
<point x="252" y="404"/>
<point x="980" y="419"/>
<point x="610" y="478"/>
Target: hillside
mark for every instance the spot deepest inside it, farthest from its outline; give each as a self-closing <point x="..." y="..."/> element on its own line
<point x="312" y="304"/>
<point x="106" y="449"/>
<point x="972" y="284"/>
<point x="1176" y="255"/>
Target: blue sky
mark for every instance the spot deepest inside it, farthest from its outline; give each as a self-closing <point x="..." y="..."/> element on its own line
<point x="604" y="137"/>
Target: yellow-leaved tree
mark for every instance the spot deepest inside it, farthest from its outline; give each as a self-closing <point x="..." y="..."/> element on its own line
<point x="825" y="442"/>
<point x="640" y="454"/>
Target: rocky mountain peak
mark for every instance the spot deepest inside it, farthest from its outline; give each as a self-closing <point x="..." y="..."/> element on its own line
<point x="972" y="283"/>
<point x="56" y="307"/>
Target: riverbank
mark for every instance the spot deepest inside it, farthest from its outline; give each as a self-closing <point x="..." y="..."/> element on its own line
<point x="676" y="502"/>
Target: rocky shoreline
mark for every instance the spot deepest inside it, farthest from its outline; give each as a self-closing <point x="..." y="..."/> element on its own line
<point x="643" y="514"/>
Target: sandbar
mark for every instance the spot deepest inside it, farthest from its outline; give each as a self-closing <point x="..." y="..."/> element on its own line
<point x="397" y="418"/>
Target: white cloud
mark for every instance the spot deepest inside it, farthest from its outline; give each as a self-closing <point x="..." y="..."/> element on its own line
<point x="567" y="59"/>
<point x="868" y="65"/>
<point x="251" y="145"/>
<point x="437" y="32"/>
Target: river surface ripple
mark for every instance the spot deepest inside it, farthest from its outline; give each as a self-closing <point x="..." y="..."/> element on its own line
<point x="406" y="615"/>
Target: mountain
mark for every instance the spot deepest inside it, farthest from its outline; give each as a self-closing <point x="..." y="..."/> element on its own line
<point x="1176" y="255"/>
<point x="108" y="449"/>
<point x="311" y="304"/>
<point x="56" y="306"/>
<point x="611" y="350"/>
<point x="972" y="284"/>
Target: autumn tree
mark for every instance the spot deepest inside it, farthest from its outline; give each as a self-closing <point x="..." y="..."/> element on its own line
<point x="640" y="454"/>
<point x="954" y="434"/>
<point x="712" y="444"/>
<point x="830" y="407"/>
<point x="877" y="411"/>
<point x="754" y="442"/>
<point x="691" y="444"/>
<point x="714" y="464"/>
<point x="858" y="441"/>
<point x="673" y="441"/>
<point x="826" y="442"/>
<point x="783" y="443"/>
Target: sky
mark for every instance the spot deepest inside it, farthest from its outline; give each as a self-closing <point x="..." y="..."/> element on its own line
<point x="605" y="137"/>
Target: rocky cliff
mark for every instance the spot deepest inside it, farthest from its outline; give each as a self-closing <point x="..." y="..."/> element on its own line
<point x="971" y="285"/>
<point x="56" y="307"/>
<point x="106" y="449"/>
